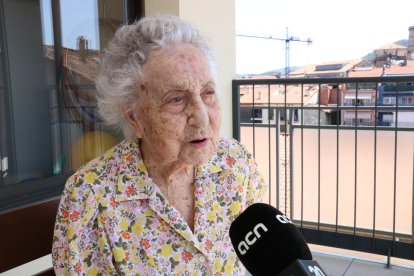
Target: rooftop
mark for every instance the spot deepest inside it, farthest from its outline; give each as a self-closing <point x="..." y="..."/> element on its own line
<point x="277" y="94"/>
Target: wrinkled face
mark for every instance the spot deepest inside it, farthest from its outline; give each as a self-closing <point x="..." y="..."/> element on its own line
<point x="178" y="118"/>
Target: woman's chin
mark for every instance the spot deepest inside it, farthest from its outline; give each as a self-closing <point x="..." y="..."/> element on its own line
<point x="198" y="156"/>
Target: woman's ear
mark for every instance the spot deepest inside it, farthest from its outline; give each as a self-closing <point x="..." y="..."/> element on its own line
<point x="135" y="124"/>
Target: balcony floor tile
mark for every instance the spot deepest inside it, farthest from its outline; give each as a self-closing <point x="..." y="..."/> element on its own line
<point x="343" y="266"/>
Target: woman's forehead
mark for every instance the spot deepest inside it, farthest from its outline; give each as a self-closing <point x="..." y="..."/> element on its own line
<point x="178" y="67"/>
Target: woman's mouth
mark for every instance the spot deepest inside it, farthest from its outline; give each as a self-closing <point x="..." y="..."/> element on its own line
<point x="199" y="143"/>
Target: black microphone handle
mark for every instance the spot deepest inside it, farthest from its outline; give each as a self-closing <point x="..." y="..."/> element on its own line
<point x="303" y="268"/>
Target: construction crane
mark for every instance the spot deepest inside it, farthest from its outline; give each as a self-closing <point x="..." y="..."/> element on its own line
<point x="287" y="41"/>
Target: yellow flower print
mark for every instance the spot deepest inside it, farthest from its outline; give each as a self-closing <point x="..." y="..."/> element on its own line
<point x="141" y="167"/>
<point x="149" y="213"/>
<point x="119" y="254"/>
<point x="135" y="258"/>
<point x="121" y="188"/>
<point x="104" y="202"/>
<point x="213" y="232"/>
<point x="235" y="208"/>
<point x="92" y="271"/>
<point x="141" y="219"/>
<point x="166" y="250"/>
<point x="109" y="153"/>
<point x="90" y="177"/>
<point x="232" y="257"/>
<point x="101" y="243"/>
<point x="246" y="181"/>
<point x="73" y="245"/>
<point x="70" y="233"/>
<point x="211" y="189"/>
<point x="211" y="216"/>
<point x="239" y="179"/>
<point x="216" y="168"/>
<point x="124" y="225"/>
<point x="176" y="258"/>
<point x="151" y="261"/>
<point x="217" y="265"/>
<point x="137" y="229"/>
<point x="74" y="193"/>
<point x="216" y="207"/>
<point x="88" y="213"/>
<point x="99" y="194"/>
<point x="228" y="268"/>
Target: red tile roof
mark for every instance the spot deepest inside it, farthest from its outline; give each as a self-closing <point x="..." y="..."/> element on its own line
<point x="277" y="94"/>
<point x="72" y="61"/>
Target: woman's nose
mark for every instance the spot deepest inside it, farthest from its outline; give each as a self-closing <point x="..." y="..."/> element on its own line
<point x="198" y="114"/>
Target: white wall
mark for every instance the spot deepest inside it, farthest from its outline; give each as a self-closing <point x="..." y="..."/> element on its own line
<point x="161" y="7"/>
<point x="217" y="21"/>
<point x="405" y="118"/>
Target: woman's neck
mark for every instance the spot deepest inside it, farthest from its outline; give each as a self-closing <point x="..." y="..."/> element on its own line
<point x="171" y="174"/>
<point x="177" y="184"/>
<point x="165" y="172"/>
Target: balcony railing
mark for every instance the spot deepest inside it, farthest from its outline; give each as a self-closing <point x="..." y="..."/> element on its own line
<point x="345" y="185"/>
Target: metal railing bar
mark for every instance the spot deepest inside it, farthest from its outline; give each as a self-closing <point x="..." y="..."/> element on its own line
<point x="389" y="128"/>
<point x="285" y="161"/>
<point x="291" y="164"/>
<point x="395" y="172"/>
<point x="270" y="152"/>
<point x="375" y="166"/>
<point x="301" y="160"/>
<point x="296" y="106"/>
<point x="356" y="166"/>
<point x="319" y="163"/>
<point x="253" y="132"/>
<point x="412" y="202"/>
<point x="337" y="167"/>
<point x="277" y="148"/>
<point x="236" y="111"/>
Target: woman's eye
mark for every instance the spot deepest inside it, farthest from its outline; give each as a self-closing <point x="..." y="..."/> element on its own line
<point x="176" y="100"/>
<point x="208" y="96"/>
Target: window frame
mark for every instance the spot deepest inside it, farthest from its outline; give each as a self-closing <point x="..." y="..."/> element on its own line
<point x="16" y="194"/>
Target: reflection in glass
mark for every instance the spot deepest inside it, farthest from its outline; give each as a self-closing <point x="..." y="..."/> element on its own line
<point x="51" y="57"/>
<point x="79" y="131"/>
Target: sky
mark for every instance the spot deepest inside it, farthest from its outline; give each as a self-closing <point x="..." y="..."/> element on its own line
<point x="340" y="30"/>
<point x="80" y="17"/>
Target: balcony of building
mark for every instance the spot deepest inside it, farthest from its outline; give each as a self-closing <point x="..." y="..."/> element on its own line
<point x="348" y="184"/>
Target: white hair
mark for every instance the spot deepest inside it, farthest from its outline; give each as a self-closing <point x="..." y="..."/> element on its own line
<point x="121" y="66"/>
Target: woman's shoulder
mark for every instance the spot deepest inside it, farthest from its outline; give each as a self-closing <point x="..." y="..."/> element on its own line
<point x="233" y="148"/>
<point x="102" y="171"/>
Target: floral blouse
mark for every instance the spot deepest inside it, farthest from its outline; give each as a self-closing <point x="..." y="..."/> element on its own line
<point x="113" y="219"/>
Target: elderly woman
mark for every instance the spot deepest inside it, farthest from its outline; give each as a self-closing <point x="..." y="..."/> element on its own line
<point x="161" y="201"/>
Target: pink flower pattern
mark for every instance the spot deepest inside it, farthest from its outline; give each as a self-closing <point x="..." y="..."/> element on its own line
<point x="113" y="219"/>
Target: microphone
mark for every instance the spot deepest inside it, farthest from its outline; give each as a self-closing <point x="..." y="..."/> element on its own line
<point x="268" y="243"/>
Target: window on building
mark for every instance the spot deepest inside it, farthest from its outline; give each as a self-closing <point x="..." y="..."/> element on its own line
<point x="389" y="100"/>
<point x="48" y="64"/>
<point x="257" y="115"/>
<point x="407" y="100"/>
